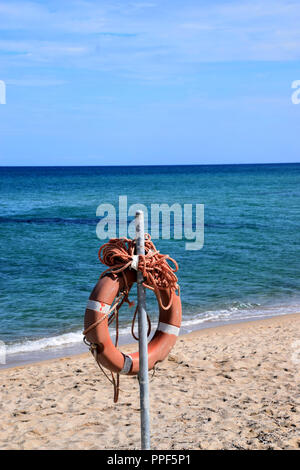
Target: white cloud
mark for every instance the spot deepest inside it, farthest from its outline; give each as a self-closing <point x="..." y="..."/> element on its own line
<point x="146" y="39"/>
<point x="35" y="82"/>
<point x="15" y="15"/>
<point x="41" y="49"/>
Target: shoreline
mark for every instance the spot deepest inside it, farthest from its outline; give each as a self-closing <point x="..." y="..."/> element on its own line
<point x="33" y="350"/>
<point x="69" y="352"/>
<point x="229" y="387"/>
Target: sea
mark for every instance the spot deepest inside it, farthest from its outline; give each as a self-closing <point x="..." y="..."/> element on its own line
<point x="247" y="268"/>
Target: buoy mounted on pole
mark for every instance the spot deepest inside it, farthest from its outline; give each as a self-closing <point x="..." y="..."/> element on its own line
<point x="131" y="261"/>
<point x="143" y="342"/>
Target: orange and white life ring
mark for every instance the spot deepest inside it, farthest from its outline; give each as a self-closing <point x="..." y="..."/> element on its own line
<point x="97" y="332"/>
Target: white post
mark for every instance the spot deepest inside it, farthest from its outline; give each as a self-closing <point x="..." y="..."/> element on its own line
<point x="143" y="341"/>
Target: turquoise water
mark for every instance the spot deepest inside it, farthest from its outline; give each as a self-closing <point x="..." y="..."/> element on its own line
<point x="248" y="267"/>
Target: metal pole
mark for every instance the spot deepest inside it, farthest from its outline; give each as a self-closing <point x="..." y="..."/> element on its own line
<point x="143" y="341"/>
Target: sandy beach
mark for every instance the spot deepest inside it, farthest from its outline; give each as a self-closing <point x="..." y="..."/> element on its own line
<point x="230" y="387"/>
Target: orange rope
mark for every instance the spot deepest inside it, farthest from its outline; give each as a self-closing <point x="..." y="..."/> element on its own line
<point x="158" y="274"/>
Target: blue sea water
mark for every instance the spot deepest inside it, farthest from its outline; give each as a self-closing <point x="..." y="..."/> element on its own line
<point x="248" y="267"/>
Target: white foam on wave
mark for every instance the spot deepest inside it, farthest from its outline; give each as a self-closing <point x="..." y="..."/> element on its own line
<point x="45" y="343"/>
<point x="66" y="339"/>
<point x="240" y="312"/>
<point x="235" y="313"/>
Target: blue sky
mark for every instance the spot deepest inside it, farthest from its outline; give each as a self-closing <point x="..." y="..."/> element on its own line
<point x="149" y="82"/>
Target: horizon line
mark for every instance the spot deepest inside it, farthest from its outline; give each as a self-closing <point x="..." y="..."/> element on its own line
<point x="147" y="165"/>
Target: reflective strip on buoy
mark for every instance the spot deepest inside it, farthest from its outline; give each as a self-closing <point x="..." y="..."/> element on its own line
<point x="100" y="307"/>
<point x="170" y="329"/>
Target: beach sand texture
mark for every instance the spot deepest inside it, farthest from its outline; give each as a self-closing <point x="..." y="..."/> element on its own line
<point x="230" y="387"/>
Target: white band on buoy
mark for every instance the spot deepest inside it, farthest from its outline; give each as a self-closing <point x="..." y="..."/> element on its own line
<point x="135" y="262"/>
<point x="170" y="329"/>
<point x="100" y="307"/>
<point x="127" y="365"/>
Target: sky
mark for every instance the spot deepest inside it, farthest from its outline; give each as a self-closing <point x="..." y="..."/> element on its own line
<point x="149" y="82"/>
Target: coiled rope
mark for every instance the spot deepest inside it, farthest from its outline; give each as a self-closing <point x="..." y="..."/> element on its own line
<point x="158" y="275"/>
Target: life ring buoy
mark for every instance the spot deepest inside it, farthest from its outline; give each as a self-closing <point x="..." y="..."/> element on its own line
<point x="97" y="332"/>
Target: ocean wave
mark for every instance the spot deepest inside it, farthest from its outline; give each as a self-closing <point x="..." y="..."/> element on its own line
<point x="235" y="313"/>
<point x="45" y="343"/>
<point x="63" y="340"/>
